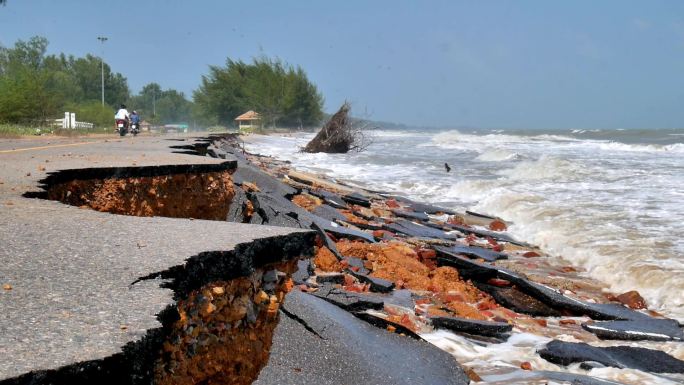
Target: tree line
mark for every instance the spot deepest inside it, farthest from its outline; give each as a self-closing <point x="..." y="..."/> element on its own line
<point x="36" y="87"/>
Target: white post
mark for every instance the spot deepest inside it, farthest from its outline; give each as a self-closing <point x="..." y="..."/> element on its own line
<point x="72" y="121"/>
<point x="65" y="122"/>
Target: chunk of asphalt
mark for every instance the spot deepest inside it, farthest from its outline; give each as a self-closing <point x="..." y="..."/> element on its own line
<point x="348" y="300"/>
<point x="421" y="207"/>
<point x="653" y="329"/>
<point x="349" y="351"/>
<point x="357" y="263"/>
<point x="323" y="278"/>
<point x="469" y="326"/>
<point x="266" y="183"/>
<point x="357" y="199"/>
<point x="412" y="229"/>
<point x="331" y="199"/>
<point x="648" y="360"/>
<point x="304" y="271"/>
<point x="370" y="225"/>
<point x="377" y="285"/>
<point x="519" y="302"/>
<point x="385" y="323"/>
<point x="327" y="241"/>
<point x="417" y="215"/>
<point x="237" y="207"/>
<point x="478" y="252"/>
<point x="480" y="233"/>
<point x="329" y="213"/>
<point x="342" y="231"/>
<point x="553" y="298"/>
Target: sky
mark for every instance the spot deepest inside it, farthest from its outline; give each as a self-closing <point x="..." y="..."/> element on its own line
<point x="487" y="64"/>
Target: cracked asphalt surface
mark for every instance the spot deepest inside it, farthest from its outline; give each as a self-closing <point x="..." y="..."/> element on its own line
<point x="71" y="269"/>
<point x="71" y="272"/>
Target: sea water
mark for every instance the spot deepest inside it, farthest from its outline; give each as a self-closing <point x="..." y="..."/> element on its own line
<point x="608" y="201"/>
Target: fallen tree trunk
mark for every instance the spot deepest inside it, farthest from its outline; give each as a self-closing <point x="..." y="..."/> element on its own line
<point x="337" y="135"/>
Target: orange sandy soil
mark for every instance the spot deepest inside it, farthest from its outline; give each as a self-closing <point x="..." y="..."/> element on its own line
<point x="224" y="333"/>
<point x="200" y="196"/>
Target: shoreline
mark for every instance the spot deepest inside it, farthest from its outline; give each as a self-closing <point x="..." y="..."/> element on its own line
<point x="564" y="278"/>
<point x="398" y="274"/>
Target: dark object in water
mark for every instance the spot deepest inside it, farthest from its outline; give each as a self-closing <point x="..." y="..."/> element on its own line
<point x="654" y="329"/>
<point x="446" y="166"/>
<point x="648" y="360"/>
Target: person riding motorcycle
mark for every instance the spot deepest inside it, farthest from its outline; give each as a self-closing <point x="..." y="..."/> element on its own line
<point x="122" y="116"/>
<point x="135" y="123"/>
<point x="135" y="118"/>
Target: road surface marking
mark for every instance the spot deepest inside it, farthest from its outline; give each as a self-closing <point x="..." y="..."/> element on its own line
<point x="44" y="147"/>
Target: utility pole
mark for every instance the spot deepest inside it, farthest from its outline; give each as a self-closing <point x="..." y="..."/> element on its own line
<point x="102" y="39"/>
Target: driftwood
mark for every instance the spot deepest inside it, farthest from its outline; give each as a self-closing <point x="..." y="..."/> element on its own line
<point x="338" y="135"/>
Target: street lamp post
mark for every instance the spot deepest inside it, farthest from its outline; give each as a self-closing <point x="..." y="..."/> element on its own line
<point x="102" y="39"/>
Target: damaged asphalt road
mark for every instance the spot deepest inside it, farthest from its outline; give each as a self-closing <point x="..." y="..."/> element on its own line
<point x="92" y="293"/>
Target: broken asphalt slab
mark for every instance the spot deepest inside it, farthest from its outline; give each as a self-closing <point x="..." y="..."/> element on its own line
<point x="346" y="350"/>
<point x="650" y="329"/>
<point x="648" y="360"/>
<point x="469" y="326"/>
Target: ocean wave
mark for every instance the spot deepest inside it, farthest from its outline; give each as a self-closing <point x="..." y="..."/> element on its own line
<point x="498" y="155"/>
<point x="546" y="167"/>
<point x="618" y="146"/>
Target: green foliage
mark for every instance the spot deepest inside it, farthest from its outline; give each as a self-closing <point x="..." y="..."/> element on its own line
<point x="282" y="94"/>
<point x="94" y="112"/>
<point x="35" y="87"/>
<point x="161" y="107"/>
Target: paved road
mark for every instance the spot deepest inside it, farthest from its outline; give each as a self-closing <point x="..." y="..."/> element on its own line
<point x="71" y="269"/>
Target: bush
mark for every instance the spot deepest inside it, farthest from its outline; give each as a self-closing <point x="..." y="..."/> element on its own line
<point x="93" y="112"/>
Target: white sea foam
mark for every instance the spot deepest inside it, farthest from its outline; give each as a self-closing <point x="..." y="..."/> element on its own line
<point x="499" y="363"/>
<point x="498" y="155"/>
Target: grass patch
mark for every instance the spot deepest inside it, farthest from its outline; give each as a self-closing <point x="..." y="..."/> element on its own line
<point x="15" y="130"/>
<point x="8" y="130"/>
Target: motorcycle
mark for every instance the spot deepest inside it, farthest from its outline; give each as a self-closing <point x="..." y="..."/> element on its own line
<point x="122" y="126"/>
<point x="135" y="128"/>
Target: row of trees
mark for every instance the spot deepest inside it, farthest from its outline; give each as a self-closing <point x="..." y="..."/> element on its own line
<point x="36" y="87"/>
<point x="281" y="93"/>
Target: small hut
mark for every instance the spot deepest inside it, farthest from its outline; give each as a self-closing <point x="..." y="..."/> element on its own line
<point x="249" y="121"/>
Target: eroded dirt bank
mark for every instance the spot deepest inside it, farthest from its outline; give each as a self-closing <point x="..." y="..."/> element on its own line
<point x="225" y="330"/>
<point x="202" y="196"/>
